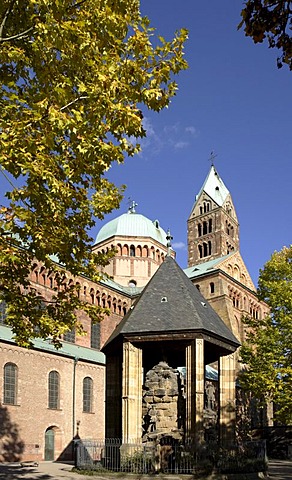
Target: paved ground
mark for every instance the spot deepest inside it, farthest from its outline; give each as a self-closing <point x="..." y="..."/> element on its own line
<point x="278" y="470"/>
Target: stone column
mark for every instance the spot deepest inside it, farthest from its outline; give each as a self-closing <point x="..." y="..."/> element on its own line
<point x="132" y="393"/>
<point x="227" y="412"/>
<point x="195" y="391"/>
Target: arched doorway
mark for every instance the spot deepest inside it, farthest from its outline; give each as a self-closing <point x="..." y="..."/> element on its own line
<point x="50" y="444"/>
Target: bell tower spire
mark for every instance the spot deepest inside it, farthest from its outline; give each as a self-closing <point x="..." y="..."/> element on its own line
<point x="213" y="228"/>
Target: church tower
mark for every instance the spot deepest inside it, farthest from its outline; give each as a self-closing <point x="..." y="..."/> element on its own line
<point x="213" y="228"/>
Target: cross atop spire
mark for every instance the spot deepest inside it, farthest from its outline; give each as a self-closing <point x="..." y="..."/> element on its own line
<point x="168" y="238"/>
<point x="213" y="155"/>
<point x="132" y="206"/>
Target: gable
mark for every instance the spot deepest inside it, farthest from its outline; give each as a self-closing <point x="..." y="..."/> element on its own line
<point x="234" y="266"/>
<point x="203" y="205"/>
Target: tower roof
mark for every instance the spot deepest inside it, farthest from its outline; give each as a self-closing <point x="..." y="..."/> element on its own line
<point x="132" y="224"/>
<point x="171" y="303"/>
<point x="214" y="187"/>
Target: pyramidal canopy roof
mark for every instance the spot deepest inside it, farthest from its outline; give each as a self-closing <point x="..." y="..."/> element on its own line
<point x="132" y="224"/>
<point x="171" y="303"/>
<point x="214" y="187"/>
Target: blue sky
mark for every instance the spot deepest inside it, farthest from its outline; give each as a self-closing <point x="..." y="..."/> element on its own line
<point x="232" y="100"/>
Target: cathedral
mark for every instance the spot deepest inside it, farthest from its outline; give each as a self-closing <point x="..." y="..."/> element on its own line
<point x="49" y="397"/>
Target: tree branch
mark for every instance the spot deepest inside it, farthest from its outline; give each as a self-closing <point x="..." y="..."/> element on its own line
<point x="82" y="97"/>
<point x="6" y="15"/>
<point x="17" y="36"/>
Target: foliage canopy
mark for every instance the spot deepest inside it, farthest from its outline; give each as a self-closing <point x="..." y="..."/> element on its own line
<point x="268" y="350"/>
<point x="272" y="20"/>
<point x="74" y="78"/>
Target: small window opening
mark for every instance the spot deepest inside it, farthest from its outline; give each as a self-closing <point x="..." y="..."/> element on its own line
<point x="163" y="299"/>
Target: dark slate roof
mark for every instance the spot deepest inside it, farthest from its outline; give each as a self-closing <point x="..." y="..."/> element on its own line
<point x="171" y="303"/>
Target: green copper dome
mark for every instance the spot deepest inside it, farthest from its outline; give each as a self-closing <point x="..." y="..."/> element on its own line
<point x="132" y="224"/>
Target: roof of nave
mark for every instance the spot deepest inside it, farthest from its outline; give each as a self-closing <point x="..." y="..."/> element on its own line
<point x="206" y="267"/>
<point x="132" y="224"/>
<point x="130" y="291"/>
<point x="222" y="263"/>
<point x="67" y="350"/>
<point x="170" y="302"/>
<point x="214" y="187"/>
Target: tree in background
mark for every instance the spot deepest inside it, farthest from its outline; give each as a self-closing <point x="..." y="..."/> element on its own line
<point x="74" y="77"/>
<point x="267" y="352"/>
<point x="272" y="20"/>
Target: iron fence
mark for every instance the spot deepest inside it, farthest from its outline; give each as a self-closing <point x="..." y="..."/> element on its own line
<point x="167" y="457"/>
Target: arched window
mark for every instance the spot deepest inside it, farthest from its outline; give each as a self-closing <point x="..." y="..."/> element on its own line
<point x="209" y="247"/>
<point x="200" y="251"/>
<point x="132" y="283"/>
<point x="206" y="207"/>
<point x="139" y="251"/>
<point x="199" y="229"/>
<point x="205" y="228"/>
<point x="87" y="394"/>
<point x="95" y="335"/>
<point x="212" y="287"/>
<point x="54" y="390"/>
<point x="103" y="300"/>
<point x="35" y="276"/>
<point x="44" y="278"/>
<point x="109" y="302"/>
<point x="205" y="245"/>
<point x="114" y="305"/>
<point x="10" y="383"/>
<point x="210" y="225"/>
<point x="97" y="296"/>
<point x="236" y="272"/>
<point x="92" y="295"/>
<point x="132" y="251"/>
<point x="2" y="313"/>
<point x="70" y="336"/>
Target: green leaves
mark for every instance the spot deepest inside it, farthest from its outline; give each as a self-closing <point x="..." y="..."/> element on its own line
<point x="75" y="77"/>
<point x="267" y="351"/>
